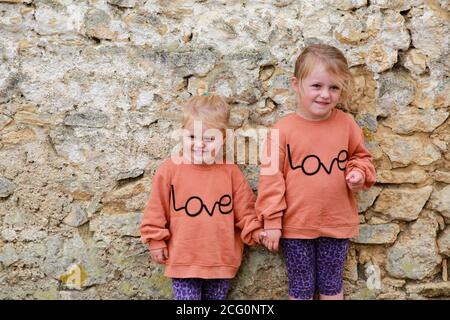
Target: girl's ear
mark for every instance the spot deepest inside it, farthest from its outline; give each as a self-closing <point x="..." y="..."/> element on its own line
<point x="295" y="85"/>
<point x="294" y="82"/>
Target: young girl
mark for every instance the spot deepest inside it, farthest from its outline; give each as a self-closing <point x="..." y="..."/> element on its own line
<point x="309" y="202"/>
<point x="201" y="211"/>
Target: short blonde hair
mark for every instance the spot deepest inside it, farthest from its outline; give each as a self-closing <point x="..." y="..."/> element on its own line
<point x="211" y="109"/>
<point x="334" y="62"/>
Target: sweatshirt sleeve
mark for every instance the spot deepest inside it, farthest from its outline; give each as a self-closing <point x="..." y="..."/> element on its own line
<point x="360" y="158"/>
<point x="244" y="210"/>
<point x="271" y="203"/>
<point x="154" y="225"/>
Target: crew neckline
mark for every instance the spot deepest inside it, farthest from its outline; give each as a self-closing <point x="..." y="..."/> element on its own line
<point x="316" y="122"/>
<point x="201" y="167"/>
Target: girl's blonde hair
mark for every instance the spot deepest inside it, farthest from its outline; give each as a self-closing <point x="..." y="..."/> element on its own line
<point x="209" y="108"/>
<point x="334" y="62"/>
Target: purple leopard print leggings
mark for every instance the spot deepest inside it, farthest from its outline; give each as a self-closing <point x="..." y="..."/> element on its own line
<point x="200" y="289"/>
<point x="314" y="264"/>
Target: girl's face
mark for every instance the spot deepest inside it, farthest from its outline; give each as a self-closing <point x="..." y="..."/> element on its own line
<point x="201" y="143"/>
<point x="317" y="94"/>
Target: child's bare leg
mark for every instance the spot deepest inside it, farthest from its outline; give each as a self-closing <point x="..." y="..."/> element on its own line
<point x="339" y="296"/>
<point x="292" y="298"/>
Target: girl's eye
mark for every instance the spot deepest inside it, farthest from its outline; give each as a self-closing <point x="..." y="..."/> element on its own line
<point x="191" y="137"/>
<point x="209" y="139"/>
<point x="316" y="85"/>
<point x="335" y="88"/>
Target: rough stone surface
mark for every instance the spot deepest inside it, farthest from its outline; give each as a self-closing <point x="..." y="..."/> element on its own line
<point x="366" y="198"/>
<point x="90" y="94"/>
<point x="430" y="290"/>
<point x="440" y="201"/>
<point x="444" y="242"/>
<point x="405" y="150"/>
<point x="377" y="234"/>
<point x="415" y="254"/>
<point x="400" y="176"/>
<point x="442" y="176"/>
<point x="76" y="217"/>
<point x="6" y="187"/>
<point x="402" y="204"/>
<point x="421" y="120"/>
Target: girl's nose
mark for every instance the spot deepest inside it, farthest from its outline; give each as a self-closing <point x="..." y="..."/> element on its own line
<point x="325" y="93"/>
<point x="198" y="143"/>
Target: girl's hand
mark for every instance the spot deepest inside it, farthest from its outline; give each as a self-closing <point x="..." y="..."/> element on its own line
<point x="159" y="255"/>
<point x="271" y="239"/>
<point x="258" y="235"/>
<point x="355" y="180"/>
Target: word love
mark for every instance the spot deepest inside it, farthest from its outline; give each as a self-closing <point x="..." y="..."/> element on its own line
<point x="223" y="202"/>
<point x="316" y="164"/>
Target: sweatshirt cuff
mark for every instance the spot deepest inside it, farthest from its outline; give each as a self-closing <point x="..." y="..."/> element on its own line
<point x="156" y="244"/>
<point x="272" y="224"/>
<point x="255" y="236"/>
<point x="362" y="172"/>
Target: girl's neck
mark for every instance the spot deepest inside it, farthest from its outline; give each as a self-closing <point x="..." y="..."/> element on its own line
<point x="186" y="160"/>
<point x="299" y="112"/>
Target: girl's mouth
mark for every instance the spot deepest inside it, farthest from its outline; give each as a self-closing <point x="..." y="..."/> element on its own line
<point x="198" y="151"/>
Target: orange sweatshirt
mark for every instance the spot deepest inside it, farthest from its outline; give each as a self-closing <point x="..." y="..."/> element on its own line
<point x="307" y="197"/>
<point x="203" y="214"/>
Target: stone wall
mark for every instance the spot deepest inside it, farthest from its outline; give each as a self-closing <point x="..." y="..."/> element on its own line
<point x="90" y="92"/>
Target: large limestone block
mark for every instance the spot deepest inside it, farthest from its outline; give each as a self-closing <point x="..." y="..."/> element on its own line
<point x="347" y="4"/>
<point x="396" y="91"/>
<point x="400" y="176"/>
<point x="123" y="3"/>
<point x="187" y="60"/>
<point x="415" y="254"/>
<point x="380" y="57"/>
<point x="393" y="31"/>
<point x="366" y="198"/>
<point x="444" y="242"/>
<point x="430" y="28"/>
<point x="416" y="120"/>
<point x="402" y="204"/>
<point x="399" y="5"/>
<point x="430" y="290"/>
<point x="122" y="225"/>
<point x="377" y="234"/>
<point x="415" y="61"/>
<point x="6" y="187"/>
<point x="442" y="176"/>
<point x="405" y="150"/>
<point x="440" y="201"/>
<point x="350" y="31"/>
<point x="62" y="254"/>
